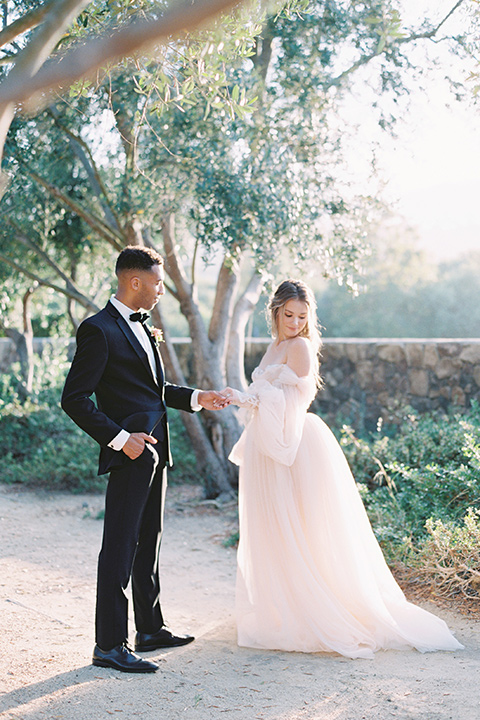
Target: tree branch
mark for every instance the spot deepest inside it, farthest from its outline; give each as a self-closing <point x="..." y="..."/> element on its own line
<point x="188" y="305"/>
<point x="69" y="284"/>
<point x="172" y="265"/>
<point x="263" y="56"/>
<point x="28" y="61"/>
<point x="75" y="295"/>
<point x="246" y="303"/>
<point x="26" y="22"/>
<point x="84" y="154"/>
<point x="228" y="278"/>
<point x="427" y="35"/>
<point x="213" y="467"/>
<point x="82" y="60"/>
<point x="116" y="240"/>
<point x="364" y="59"/>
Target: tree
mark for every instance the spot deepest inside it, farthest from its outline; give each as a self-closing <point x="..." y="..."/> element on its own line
<point x="22" y="339"/>
<point x="259" y="186"/>
<point x="29" y="74"/>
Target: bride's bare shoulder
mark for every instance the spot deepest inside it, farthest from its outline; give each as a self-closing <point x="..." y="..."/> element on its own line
<point x="299" y="355"/>
<point x="268" y="355"/>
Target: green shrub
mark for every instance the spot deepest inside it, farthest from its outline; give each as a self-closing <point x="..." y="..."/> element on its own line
<point x="449" y="557"/>
<point x="419" y="484"/>
<point x="41" y="447"/>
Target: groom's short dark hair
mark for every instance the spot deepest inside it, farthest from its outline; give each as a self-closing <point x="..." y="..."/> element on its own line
<point x="137" y="257"/>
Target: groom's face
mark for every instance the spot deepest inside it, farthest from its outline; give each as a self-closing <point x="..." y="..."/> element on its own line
<point x="151" y="287"/>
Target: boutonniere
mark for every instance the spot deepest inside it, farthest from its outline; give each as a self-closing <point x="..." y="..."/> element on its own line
<point x="157" y="335"/>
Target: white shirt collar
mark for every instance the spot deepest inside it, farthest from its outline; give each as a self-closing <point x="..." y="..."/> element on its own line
<point x="124" y="311"/>
<point x="138" y="330"/>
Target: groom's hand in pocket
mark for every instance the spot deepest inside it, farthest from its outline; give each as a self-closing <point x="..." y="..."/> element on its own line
<point x="135" y="444"/>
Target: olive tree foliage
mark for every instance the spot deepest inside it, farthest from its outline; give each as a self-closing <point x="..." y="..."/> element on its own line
<point x="238" y="164"/>
<point x="37" y="65"/>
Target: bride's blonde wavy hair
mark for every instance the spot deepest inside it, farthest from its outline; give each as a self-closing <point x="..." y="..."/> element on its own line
<point x="298" y="290"/>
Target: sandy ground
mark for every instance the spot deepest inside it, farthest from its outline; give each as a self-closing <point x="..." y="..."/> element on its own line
<point x="49" y="544"/>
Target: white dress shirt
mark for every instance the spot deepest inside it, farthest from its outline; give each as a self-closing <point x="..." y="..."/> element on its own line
<point x="141" y="334"/>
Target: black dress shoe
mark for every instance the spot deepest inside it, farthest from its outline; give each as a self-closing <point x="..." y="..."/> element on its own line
<point x="122" y="658"/>
<point x="163" y="638"/>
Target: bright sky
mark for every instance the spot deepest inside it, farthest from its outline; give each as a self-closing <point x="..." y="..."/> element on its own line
<point x="434" y="171"/>
<point x="432" y="168"/>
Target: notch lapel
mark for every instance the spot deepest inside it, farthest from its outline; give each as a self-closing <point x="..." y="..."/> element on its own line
<point x="130" y="336"/>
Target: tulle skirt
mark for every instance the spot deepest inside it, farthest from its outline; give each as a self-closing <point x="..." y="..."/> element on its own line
<point x="311" y="575"/>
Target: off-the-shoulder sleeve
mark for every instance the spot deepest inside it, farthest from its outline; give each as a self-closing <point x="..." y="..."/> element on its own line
<point x="275" y="423"/>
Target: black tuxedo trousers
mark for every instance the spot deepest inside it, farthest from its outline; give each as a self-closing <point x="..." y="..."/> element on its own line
<point x="111" y="364"/>
<point x="130" y="549"/>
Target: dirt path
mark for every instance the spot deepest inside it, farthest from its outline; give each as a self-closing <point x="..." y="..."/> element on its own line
<point x="49" y="545"/>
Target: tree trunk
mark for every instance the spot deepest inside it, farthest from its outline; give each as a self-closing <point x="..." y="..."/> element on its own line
<point x="24" y="345"/>
<point x="211" y="464"/>
<point x="221" y="428"/>
<point x="245" y="305"/>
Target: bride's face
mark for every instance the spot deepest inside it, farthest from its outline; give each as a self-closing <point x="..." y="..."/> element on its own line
<point x="292" y="319"/>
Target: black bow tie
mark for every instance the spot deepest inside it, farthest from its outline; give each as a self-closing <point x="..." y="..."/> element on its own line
<point x="139" y="317"/>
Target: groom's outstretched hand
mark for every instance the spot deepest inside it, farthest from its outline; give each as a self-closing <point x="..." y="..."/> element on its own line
<point x="212" y="400"/>
<point x="135" y="444"/>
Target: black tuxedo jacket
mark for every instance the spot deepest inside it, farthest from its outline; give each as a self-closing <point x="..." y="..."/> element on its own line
<point x="111" y="364"/>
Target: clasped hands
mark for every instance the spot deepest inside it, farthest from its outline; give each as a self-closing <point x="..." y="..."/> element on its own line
<point x="229" y="396"/>
<point x="213" y="400"/>
<point x="208" y="399"/>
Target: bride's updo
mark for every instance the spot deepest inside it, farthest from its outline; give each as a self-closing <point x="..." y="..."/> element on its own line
<point x="296" y="290"/>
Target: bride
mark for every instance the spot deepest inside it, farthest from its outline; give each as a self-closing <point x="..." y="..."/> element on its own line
<point x="311" y="576"/>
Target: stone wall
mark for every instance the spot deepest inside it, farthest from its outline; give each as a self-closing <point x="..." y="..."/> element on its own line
<point x="367" y="379"/>
<point x="370" y="379"/>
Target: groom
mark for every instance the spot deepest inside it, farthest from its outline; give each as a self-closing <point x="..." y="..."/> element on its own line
<point x="117" y="361"/>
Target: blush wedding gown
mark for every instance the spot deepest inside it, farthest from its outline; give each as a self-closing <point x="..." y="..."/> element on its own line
<point x="311" y="576"/>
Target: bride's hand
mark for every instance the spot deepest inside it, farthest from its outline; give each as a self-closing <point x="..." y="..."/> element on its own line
<point x="231" y="394"/>
<point x="236" y="397"/>
<point x="228" y="392"/>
